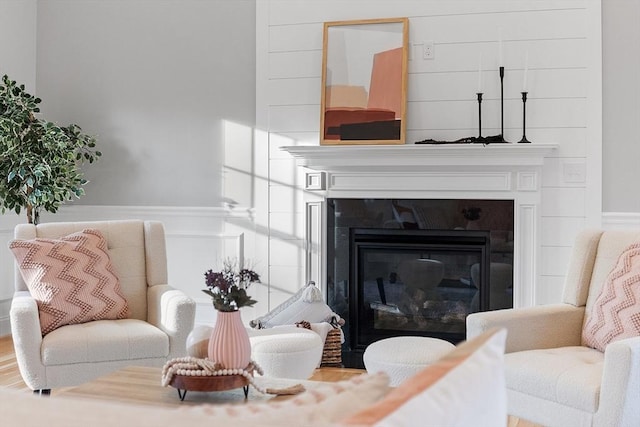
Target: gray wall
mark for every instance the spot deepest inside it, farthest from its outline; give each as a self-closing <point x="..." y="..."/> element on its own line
<point x="18" y="41"/>
<point x="621" y="105"/>
<point x="154" y="80"/>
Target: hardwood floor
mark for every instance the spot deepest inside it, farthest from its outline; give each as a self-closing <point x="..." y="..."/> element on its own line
<point x="10" y="376"/>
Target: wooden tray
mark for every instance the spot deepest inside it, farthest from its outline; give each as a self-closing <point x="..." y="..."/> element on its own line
<point x="186" y="383"/>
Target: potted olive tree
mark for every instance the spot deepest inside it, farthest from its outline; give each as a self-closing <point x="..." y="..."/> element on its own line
<point x="40" y="161"/>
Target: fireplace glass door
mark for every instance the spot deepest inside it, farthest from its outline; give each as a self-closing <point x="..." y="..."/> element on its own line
<point x="385" y="258"/>
<point x="416" y="282"/>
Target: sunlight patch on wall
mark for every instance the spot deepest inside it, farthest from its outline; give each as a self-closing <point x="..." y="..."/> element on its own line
<point x="238" y="166"/>
<point x="286" y="220"/>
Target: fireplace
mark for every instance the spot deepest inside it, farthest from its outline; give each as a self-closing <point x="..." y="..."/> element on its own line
<point x="456" y="174"/>
<point x="416" y="267"/>
<point x="415" y="282"/>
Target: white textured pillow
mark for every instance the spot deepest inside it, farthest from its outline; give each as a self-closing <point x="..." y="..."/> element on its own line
<point x="306" y="304"/>
<point x="464" y="388"/>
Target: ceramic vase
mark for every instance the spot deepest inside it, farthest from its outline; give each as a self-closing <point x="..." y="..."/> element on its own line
<point x="229" y="344"/>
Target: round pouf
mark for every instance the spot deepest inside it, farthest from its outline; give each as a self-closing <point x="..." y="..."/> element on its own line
<point x="402" y="357"/>
<point x="286" y="352"/>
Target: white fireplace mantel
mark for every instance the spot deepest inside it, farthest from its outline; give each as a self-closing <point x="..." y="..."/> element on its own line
<point x="448" y="171"/>
<point x="417" y="156"/>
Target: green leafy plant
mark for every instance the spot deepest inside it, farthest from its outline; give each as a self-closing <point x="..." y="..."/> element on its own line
<point x="40" y="161"/>
<point x="228" y="287"/>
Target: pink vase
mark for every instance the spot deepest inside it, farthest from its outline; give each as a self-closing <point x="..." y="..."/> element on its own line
<point x="229" y="343"/>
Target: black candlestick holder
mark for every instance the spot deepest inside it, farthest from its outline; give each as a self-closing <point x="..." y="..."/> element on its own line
<point x="479" y="94"/>
<point x="524" y="119"/>
<point x="502" y="104"/>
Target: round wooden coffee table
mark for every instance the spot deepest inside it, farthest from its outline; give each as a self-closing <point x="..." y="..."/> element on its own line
<point x="184" y="383"/>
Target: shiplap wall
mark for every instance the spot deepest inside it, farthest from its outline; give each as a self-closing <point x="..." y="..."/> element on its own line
<point x="563" y="43"/>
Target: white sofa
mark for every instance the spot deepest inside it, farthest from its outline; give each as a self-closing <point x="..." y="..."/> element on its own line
<point x="552" y="378"/>
<point x="160" y="317"/>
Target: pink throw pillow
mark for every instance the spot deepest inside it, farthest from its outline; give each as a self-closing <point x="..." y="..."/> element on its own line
<point x="615" y="315"/>
<point x="71" y="278"/>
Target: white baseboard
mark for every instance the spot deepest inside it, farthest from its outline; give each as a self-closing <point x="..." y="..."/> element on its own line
<point x="620" y="220"/>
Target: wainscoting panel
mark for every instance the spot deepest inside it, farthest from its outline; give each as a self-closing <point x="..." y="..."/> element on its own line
<point x="621" y="220"/>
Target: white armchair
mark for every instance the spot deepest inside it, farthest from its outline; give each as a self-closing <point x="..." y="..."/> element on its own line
<point x="160" y="317"/>
<point x="552" y="378"/>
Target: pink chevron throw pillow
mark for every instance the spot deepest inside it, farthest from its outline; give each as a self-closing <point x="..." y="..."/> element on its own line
<point x="71" y="278"/>
<point x="615" y="315"/>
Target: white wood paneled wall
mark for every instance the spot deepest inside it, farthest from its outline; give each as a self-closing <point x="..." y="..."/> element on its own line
<point x="562" y="40"/>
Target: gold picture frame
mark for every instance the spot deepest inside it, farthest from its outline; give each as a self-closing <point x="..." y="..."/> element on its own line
<point x="364" y="82"/>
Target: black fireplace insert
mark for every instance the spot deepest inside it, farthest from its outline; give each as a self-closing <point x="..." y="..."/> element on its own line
<point x="390" y="276"/>
<point x="416" y="282"/>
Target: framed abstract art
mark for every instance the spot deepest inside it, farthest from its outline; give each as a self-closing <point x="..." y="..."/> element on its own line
<point x="364" y="82"/>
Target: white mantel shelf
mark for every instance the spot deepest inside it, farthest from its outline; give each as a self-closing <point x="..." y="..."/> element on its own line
<point x="400" y="157"/>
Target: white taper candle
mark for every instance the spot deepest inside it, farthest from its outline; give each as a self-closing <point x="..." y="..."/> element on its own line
<point x="526" y="71"/>
<point x="480" y="74"/>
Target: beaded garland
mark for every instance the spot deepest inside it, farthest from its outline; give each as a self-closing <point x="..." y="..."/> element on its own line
<point x="196" y="367"/>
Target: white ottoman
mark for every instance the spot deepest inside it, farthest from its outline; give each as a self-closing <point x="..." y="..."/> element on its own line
<point x="402" y="357"/>
<point x="286" y="351"/>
